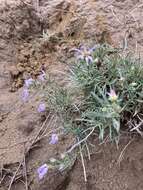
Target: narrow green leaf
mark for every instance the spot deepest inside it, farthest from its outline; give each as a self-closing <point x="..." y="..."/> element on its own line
<point x="116" y="125"/>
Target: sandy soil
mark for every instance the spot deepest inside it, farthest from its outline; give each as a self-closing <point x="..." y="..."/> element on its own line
<point x="23" y="54"/>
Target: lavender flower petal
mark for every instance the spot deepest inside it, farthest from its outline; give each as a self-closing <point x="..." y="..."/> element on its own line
<point x="80" y="57"/>
<point x="28" y="82"/>
<point x="82" y="48"/>
<point x="42" y="76"/>
<point x="84" y="53"/>
<point x="112" y="95"/>
<point x="90" y="59"/>
<point x="77" y="50"/>
<point x="54" y="139"/>
<point x="87" y="60"/>
<point x="42" y="171"/>
<point x="41" y="108"/>
<point x="25" y="94"/>
<point x="93" y="48"/>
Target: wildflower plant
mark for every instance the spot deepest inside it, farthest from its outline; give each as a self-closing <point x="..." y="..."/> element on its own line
<point x="110" y="89"/>
<point x="105" y="96"/>
<point x="113" y="90"/>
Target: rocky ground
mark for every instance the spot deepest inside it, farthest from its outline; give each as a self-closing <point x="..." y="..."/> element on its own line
<point x="24" y="52"/>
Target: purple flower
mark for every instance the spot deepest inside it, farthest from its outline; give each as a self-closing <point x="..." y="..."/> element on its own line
<point x="89" y="60"/>
<point x="25" y="94"/>
<point x="112" y="95"/>
<point x="42" y="171"/>
<point x="41" y="108"/>
<point x="54" y="139"/>
<point x="42" y="76"/>
<point x="28" y="82"/>
<point x="84" y="53"/>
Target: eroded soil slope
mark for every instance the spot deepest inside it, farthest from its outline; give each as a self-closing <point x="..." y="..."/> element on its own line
<point x="24" y="52"/>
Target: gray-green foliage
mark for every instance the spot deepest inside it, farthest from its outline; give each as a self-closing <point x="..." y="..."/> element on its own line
<point x="108" y="71"/>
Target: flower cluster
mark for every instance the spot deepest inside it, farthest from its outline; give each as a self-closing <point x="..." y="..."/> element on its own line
<point x="28" y="83"/>
<point x="42" y="170"/>
<point x="84" y="53"/>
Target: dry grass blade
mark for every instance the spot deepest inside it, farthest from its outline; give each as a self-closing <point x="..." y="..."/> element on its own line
<point x="137" y="126"/>
<point x="2" y="179"/>
<point x="25" y="173"/>
<point x="123" y="151"/>
<point x="83" y="165"/>
<point x="38" y="133"/>
<point x="25" y="3"/>
<point x="50" y="123"/>
<point x="136" y="7"/>
<point x="13" y="178"/>
<point x="88" y="152"/>
<point x="79" y="142"/>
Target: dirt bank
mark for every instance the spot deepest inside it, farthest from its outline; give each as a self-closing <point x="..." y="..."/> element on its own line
<point x="24" y="51"/>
